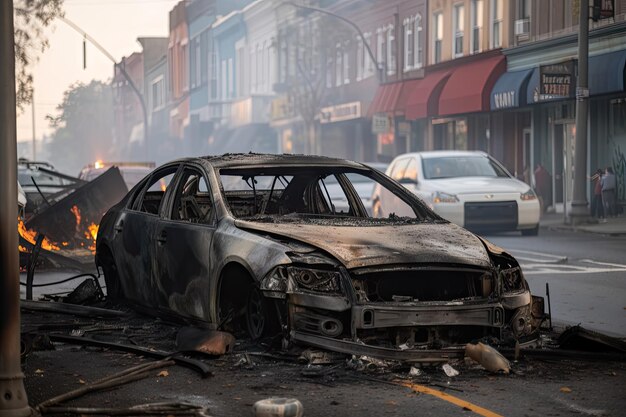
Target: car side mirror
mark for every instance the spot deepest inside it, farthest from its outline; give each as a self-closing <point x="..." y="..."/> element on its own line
<point x="408" y="181"/>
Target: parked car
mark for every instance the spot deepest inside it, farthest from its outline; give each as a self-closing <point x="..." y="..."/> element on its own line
<point x="132" y="172"/>
<point x="364" y="187"/>
<point x="250" y="242"/>
<point x="40" y="183"/>
<point x="468" y="188"/>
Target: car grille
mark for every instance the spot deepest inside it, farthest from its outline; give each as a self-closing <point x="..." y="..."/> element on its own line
<point x="499" y="215"/>
<point x="423" y="285"/>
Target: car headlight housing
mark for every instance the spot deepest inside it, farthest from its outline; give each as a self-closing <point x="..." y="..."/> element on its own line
<point x="318" y="280"/>
<point x="441" y="197"/>
<point x="528" y="195"/>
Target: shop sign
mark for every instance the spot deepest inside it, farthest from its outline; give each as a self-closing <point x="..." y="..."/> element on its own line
<point x="282" y="108"/>
<point x="504" y="99"/>
<point x="603" y="9"/>
<point x="341" y="112"/>
<point x="380" y="123"/>
<point x="557" y="80"/>
<point x="404" y="128"/>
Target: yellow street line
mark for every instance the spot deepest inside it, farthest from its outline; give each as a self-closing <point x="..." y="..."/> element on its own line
<point x="449" y="398"/>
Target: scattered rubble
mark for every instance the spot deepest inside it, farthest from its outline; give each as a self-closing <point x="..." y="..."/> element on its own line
<point x="449" y="370"/>
<point x="278" y="407"/>
<point x="211" y="342"/>
<point x="488" y="357"/>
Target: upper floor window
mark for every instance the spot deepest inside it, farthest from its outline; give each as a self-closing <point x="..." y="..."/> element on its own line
<point x="391" y="50"/>
<point x="477" y="26"/>
<point x="158" y="99"/>
<point x="369" y="64"/>
<point x="346" y="62"/>
<point x="409" y="44"/>
<point x="458" y="17"/>
<point x="496" y="23"/>
<point x="437" y="36"/>
<point x="381" y="47"/>
<point x="329" y="72"/>
<point x="360" y="59"/>
<point x="338" y="65"/>
<point x="524" y="9"/>
<point x="418" y="54"/>
<point x="413" y="51"/>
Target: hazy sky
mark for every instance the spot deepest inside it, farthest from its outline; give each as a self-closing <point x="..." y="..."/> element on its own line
<point x="114" y="24"/>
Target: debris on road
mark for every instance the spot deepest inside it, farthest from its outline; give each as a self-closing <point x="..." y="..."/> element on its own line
<point x="72" y="309"/>
<point x="278" y="407"/>
<point x="415" y="371"/>
<point x="87" y="292"/>
<point x="211" y="342"/>
<point x="579" y="338"/>
<point x="449" y="370"/>
<point x="488" y="357"/>
<point x="319" y="357"/>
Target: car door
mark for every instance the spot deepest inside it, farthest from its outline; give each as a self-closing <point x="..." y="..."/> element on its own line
<point x="134" y="238"/>
<point x="183" y="245"/>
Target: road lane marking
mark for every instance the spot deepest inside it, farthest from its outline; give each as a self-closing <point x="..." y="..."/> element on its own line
<point x="539" y="268"/>
<point x="449" y="398"/>
<point x="553" y="258"/>
<point x="590" y="261"/>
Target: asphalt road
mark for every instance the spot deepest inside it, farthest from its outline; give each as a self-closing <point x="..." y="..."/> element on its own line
<point x="587" y="278"/>
<point x="586" y="274"/>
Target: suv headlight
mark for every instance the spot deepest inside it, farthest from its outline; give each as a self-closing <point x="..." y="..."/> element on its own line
<point x="305" y="278"/>
<point x="441" y="197"/>
<point x="528" y="195"/>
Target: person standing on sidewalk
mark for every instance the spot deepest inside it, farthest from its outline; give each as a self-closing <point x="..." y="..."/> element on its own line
<point x="609" y="183"/>
<point x="597" y="208"/>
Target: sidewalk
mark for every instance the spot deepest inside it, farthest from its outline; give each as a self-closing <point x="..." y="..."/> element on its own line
<point x="615" y="226"/>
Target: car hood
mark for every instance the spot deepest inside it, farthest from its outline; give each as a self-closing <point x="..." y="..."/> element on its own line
<point x="474" y="185"/>
<point x="357" y="247"/>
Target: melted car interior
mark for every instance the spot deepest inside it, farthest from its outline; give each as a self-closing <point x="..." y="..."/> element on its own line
<point x="287" y="192"/>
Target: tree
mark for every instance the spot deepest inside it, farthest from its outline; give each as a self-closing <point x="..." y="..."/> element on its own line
<point x="84" y="127"/>
<point x="31" y="18"/>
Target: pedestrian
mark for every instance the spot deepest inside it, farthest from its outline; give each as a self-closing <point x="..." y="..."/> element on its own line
<point x="609" y="183"/>
<point x="597" y="208"/>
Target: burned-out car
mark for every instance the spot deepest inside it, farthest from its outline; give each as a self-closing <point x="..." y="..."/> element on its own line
<point x="254" y="242"/>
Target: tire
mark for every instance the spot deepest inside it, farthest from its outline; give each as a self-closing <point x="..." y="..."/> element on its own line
<point x="112" y="280"/>
<point x="531" y="232"/>
<point x="257" y="314"/>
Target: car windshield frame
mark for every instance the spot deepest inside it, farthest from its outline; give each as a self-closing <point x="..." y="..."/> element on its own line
<point x="462" y="166"/>
<point x="422" y="212"/>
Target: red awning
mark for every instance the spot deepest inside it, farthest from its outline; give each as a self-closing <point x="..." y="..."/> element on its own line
<point x="386" y="99"/>
<point x="423" y="99"/>
<point x="468" y="88"/>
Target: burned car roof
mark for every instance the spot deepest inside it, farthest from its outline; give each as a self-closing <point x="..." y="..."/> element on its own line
<point x="243" y="160"/>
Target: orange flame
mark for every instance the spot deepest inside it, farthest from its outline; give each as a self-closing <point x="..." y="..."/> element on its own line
<point x="22" y="249"/>
<point x="92" y="235"/>
<point x="30" y="236"/>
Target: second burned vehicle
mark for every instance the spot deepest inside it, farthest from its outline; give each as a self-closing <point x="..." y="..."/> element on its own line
<point x="254" y="242"/>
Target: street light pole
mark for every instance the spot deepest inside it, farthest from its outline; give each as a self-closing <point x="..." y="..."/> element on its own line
<point x="13" y="399"/>
<point x="380" y="69"/>
<point x="579" y="210"/>
<point x="142" y="101"/>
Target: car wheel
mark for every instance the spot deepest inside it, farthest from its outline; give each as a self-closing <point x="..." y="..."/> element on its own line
<point x="531" y="232"/>
<point x="112" y="281"/>
<point x="257" y="311"/>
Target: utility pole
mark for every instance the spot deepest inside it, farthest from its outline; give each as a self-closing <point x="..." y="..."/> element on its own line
<point x="580" y="211"/>
<point x="13" y="399"/>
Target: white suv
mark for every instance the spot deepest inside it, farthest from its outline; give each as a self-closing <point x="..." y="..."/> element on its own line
<point x="468" y="188"/>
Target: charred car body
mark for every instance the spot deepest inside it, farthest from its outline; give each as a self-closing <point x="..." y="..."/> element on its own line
<point x="255" y="241"/>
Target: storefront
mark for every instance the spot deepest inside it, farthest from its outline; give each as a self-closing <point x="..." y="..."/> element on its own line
<point x="345" y="132"/>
